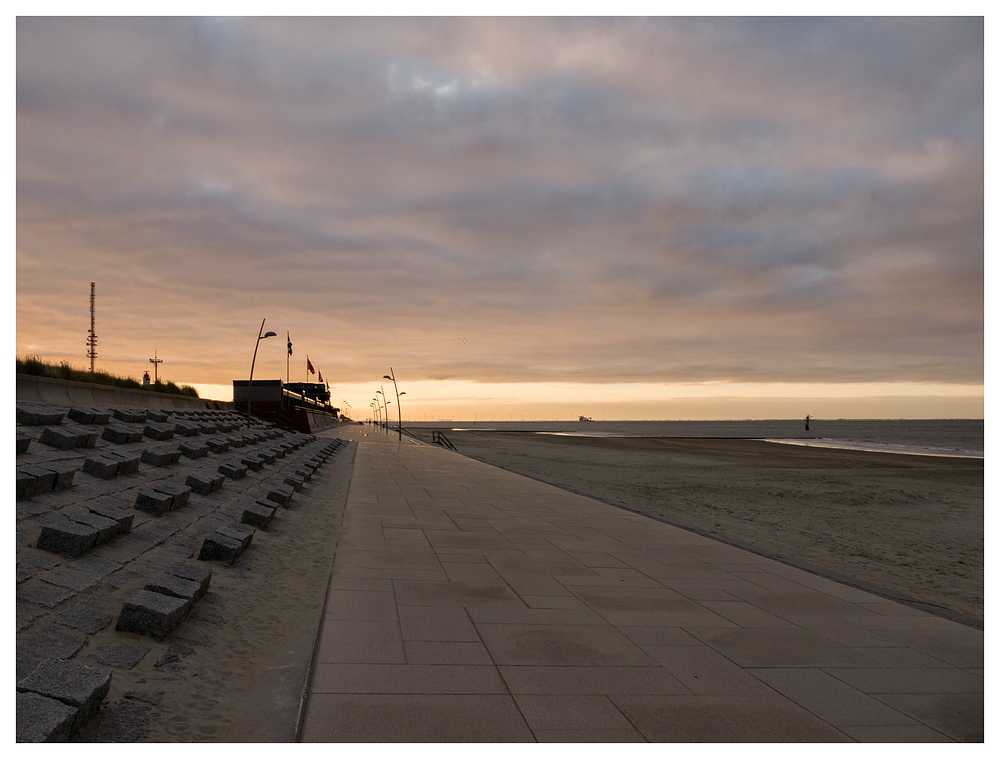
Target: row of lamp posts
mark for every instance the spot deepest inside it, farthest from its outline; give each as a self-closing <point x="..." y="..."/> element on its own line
<point x="380" y="407"/>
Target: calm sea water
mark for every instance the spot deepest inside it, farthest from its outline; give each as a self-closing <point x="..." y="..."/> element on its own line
<point x="963" y="437"/>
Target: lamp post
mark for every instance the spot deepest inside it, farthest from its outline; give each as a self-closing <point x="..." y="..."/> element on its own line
<point x="378" y="410"/>
<point x="385" y="416"/>
<point x="399" y="409"/>
<point x="260" y="336"/>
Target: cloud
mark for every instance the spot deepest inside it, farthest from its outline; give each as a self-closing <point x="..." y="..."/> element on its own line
<point x="590" y="199"/>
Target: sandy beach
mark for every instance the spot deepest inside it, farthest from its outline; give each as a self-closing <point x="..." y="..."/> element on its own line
<point x="910" y="527"/>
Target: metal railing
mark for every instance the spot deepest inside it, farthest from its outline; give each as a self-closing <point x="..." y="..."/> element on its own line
<point x="439" y="438"/>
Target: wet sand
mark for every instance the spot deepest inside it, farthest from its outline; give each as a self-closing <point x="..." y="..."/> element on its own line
<point x="910" y="527"/>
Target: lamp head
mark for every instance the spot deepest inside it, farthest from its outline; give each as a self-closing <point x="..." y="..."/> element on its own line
<point x="386" y="376"/>
<point x="269" y="334"/>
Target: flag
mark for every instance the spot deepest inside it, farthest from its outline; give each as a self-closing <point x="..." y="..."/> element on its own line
<point x="289" y="344"/>
<point x="321" y="378"/>
<point x="309" y="366"/>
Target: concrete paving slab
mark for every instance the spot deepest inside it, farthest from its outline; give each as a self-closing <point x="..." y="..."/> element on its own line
<point x="469" y="603"/>
<point x="414" y="719"/>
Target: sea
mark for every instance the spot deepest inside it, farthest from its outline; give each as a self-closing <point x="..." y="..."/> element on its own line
<point x="928" y="437"/>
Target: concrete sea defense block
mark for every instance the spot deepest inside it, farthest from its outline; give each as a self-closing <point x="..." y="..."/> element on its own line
<point x="74" y="684"/>
<point x="101" y="466"/>
<point x="115" y="513"/>
<point x="153" y="502"/>
<point x="25" y="485"/>
<point x="106" y="528"/>
<point x="217" y="444"/>
<point x="205" y="482"/>
<point x="267" y="456"/>
<point x="128" y="463"/>
<point x="158" y="431"/>
<point x="43" y="720"/>
<point x="186" y="429"/>
<point x="87" y="415"/>
<point x="63" y="439"/>
<point x="119" y="435"/>
<point x="161" y="456"/>
<point x="238" y="532"/>
<point x="219" y="547"/>
<point x="304" y="472"/>
<point x="156" y="416"/>
<point x="23" y="441"/>
<point x="252" y="462"/>
<point x="132" y="416"/>
<point x="236" y="441"/>
<point x="64" y="471"/>
<point x="234" y="471"/>
<point x="66" y="537"/>
<point x="172" y="585"/>
<point x="295" y="482"/>
<point x="202" y="576"/>
<point x="152" y="614"/>
<point x="181" y="493"/>
<point x="280" y="494"/>
<point x="45" y="479"/>
<point x="207" y="428"/>
<point x="194" y="451"/>
<point x="258" y="515"/>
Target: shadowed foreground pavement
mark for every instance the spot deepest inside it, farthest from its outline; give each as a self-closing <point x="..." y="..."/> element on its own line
<point x="471" y="604"/>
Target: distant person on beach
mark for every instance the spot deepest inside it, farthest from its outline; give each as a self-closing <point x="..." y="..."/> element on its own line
<point x="807" y="422"/>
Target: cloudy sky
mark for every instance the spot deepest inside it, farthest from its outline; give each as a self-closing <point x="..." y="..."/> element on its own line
<point x="535" y="216"/>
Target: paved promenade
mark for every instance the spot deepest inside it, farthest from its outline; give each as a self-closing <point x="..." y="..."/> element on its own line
<point x="471" y="604"/>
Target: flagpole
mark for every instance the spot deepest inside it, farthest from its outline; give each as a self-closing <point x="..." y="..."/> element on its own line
<point x="288" y="337"/>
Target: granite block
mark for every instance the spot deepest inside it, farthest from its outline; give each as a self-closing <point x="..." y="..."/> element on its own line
<point x="66" y="537"/>
<point x="52" y="641"/>
<point x="193" y="450"/>
<point x="102" y="467"/>
<point x="43" y="720"/>
<point x="200" y="575"/>
<point x="257" y="515"/>
<point x="23" y="441"/>
<point x="234" y="471"/>
<point x="186" y="429"/>
<point x="153" y="502"/>
<point x="181" y="494"/>
<point x="62" y="439"/>
<point x="152" y="614"/>
<point x="217" y="445"/>
<point x="158" y="430"/>
<point x="157" y="416"/>
<point x="131" y="416"/>
<point x="161" y="456"/>
<point x="109" y="509"/>
<point x="64" y="471"/>
<point x="107" y="528"/>
<point x="172" y="585"/>
<point x="25" y="484"/>
<point x="219" y="547"/>
<point x="252" y="462"/>
<point x="119" y="435"/>
<point x="41" y="592"/>
<point x="280" y="494"/>
<point x="74" y="684"/>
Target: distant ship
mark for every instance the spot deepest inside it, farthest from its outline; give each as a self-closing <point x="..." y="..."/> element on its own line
<point x="586" y="419"/>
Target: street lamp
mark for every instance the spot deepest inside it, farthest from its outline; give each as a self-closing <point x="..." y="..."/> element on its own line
<point x="260" y="336"/>
<point x="399" y="409"/>
<point x="385" y="417"/>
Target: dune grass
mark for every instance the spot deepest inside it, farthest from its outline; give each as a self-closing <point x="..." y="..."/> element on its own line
<point x="32" y="364"/>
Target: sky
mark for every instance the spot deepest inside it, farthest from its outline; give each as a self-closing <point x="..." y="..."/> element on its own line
<point x="523" y="217"/>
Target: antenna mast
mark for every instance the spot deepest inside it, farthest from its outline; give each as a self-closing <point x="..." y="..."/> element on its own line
<point x="91" y="337"/>
<point x="155" y="362"/>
